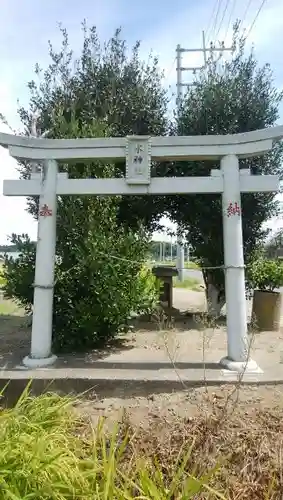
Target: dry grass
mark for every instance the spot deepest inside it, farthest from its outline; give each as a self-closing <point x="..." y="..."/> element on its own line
<point x="48" y="449"/>
<point x="232" y="432"/>
<point x="244" y="449"/>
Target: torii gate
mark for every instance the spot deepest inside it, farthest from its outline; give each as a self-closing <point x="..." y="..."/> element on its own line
<point x="139" y="151"/>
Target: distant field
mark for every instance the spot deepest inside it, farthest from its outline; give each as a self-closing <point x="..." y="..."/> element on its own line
<point x="189" y="283"/>
<point x="10" y="308"/>
<point x="188" y="265"/>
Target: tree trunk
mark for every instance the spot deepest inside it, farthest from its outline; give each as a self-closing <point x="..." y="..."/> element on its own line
<point x="215" y="295"/>
<point x="215" y="301"/>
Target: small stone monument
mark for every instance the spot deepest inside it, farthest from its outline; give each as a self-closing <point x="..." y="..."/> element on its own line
<point x="165" y="274"/>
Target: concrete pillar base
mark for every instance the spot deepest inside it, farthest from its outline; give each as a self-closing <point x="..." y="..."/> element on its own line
<point x="39" y="363"/>
<point x="240" y="366"/>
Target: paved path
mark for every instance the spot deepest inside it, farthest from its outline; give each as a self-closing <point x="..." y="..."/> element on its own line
<point x="193" y="273"/>
<point x="184" y="299"/>
<point x="152" y="361"/>
<point x="188" y="300"/>
<point x="196" y="274"/>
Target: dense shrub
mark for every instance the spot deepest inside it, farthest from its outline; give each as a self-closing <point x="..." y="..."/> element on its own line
<point x="100" y="277"/>
<point x="265" y="274"/>
<point x="100" y="281"/>
<point x="2" y="279"/>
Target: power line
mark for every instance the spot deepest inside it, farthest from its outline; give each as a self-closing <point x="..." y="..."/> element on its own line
<point x="222" y="18"/>
<point x="180" y="69"/>
<point x="215" y="19"/>
<point x="211" y="18"/>
<point x="256" y="17"/>
<point x="245" y="13"/>
<point x="230" y="18"/>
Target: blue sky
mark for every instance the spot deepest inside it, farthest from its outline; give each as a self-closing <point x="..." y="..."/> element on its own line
<point x="27" y="25"/>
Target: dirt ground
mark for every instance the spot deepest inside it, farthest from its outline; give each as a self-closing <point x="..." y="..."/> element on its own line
<point x="185" y="340"/>
<point x="169" y="407"/>
<point x="239" y="426"/>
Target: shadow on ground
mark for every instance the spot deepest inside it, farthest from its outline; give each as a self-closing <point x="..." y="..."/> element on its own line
<point x="94" y="390"/>
<point x="117" y="365"/>
<point x="14" y="339"/>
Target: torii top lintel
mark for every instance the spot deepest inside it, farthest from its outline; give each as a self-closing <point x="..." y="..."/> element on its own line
<point x="243" y="145"/>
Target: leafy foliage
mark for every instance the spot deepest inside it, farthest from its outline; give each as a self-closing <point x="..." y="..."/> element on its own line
<point x="18" y="273"/>
<point x="265" y="274"/>
<point x="102" y="242"/>
<point x="48" y="451"/>
<point x="121" y="91"/>
<point x="2" y="279"/>
<point x="124" y="95"/>
<point x="235" y="97"/>
<point x="100" y="279"/>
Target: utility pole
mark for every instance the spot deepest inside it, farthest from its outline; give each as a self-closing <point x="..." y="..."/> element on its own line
<point x="205" y="50"/>
<point x="179" y="68"/>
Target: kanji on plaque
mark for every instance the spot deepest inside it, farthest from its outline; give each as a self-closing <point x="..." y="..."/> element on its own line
<point x="45" y="211"/>
<point x="138" y="160"/>
<point x="233" y="209"/>
<point x="139" y="148"/>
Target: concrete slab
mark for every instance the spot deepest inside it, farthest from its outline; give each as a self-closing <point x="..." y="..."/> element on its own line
<point x="123" y="384"/>
<point x="152" y="362"/>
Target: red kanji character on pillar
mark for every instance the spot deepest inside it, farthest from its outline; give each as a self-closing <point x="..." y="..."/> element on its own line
<point x="45" y="211"/>
<point x="233" y="209"/>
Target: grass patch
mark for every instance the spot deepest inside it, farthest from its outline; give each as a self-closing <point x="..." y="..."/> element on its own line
<point x="47" y="451"/>
<point x="189" y="283"/>
<point x="191" y="265"/>
<point x="8" y="307"/>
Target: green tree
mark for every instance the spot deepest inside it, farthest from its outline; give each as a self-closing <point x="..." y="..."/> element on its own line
<point x="236" y="96"/>
<point x="103" y="92"/>
<point x="100" y="277"/>
<point x="108" y="83"/>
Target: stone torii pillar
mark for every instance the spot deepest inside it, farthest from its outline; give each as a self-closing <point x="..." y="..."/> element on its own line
<point x="235" y="290"/>
<point x="229" y="181"/>
<point x="41" y="334"/>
